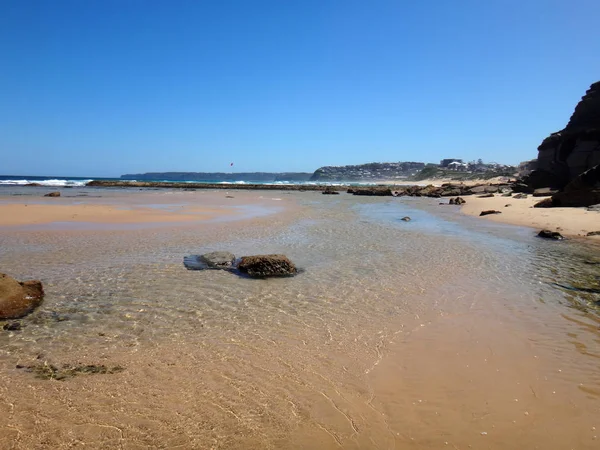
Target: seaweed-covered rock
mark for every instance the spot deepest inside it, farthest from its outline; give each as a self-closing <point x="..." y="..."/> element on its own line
<point x="262" y="266"/>
<point x="18" y="299"/>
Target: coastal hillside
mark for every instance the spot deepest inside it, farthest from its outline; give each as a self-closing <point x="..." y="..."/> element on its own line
<point x="261" y="177"/>
<point x="370" y="171"/>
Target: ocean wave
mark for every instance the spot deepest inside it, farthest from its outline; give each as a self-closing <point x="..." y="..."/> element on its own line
<point x="49" y="183"/>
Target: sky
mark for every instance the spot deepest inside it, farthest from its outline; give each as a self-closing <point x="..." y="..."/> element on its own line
<point x="107" y="87"/>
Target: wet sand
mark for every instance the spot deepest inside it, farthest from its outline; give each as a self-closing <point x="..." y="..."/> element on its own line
<point x="444" y="332"/>
<point x="568" y="221"/>
<point x="139" y="208"/>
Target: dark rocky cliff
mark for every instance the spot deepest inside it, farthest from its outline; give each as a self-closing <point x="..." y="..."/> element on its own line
<point x="568" y="153"/>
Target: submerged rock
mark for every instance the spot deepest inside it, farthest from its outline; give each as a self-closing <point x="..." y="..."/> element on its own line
<point x="18" y="299"/>
<point x="213" y="260"/>
<point x="547" y="234"/>
<point x="53" y="194"/>
<point x="218" y="260"/>
<point x="488" y="212"/>
<point x="262" y="266"/>
<point x="12" y="326"/>
<point x="51" y="372"/>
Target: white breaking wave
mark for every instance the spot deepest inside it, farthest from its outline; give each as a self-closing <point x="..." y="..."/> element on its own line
<point x="53" y="183"/>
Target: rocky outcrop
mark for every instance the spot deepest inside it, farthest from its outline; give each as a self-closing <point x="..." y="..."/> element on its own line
<point x="263" y="266"/>
<point x="566" y="154"/>
<point x="18" y="299"/>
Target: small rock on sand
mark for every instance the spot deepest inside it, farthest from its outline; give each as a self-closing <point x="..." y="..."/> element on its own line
<point x="488" y="212"/>
<point x="547" y="234"/>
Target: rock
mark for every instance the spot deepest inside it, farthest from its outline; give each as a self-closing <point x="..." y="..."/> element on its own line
<point x="488" y="212"/>
<point x="544" y="192"/>
<point x="262" y="266"/>
<point x="12" y="326"/>
<point x="521" y="188"/>
<point x="33" y="184"/>
<point x="507" y="205"/>
<point x="519" y="196"/>
<point x="218" y="260"/>
<point x="229" y="196"/>
<point x="593" y="233"/>
<point x="484" y="189"/>
<point x="53" y="194"/>
<point x="330" y="191"/>
<point x="486" y="195"/>
<point x="507" y="194"/>
<point x="546" y="203"/>
<point x="578" y="198"/>
<point x="566" y="154"/>
<point x="406" y="219"/>
<point x="547" y="234"/>
<point x="373" y="191"/>
<point x="594" y="208"/>
<point x="18" y="299"/>
<point x="457" y="201"/>
<point x="213" y="260"/>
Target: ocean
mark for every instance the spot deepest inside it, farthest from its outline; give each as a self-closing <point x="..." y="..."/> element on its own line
<point x="443" y="332"/>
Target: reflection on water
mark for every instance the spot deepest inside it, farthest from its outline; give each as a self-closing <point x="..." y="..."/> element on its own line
<point x="407" y="334"/>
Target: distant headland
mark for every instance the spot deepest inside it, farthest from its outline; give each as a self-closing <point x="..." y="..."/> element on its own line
<point x="453" y="168"/>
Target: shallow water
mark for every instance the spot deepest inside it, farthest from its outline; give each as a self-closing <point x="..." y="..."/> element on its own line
<point x="445" y="330"/>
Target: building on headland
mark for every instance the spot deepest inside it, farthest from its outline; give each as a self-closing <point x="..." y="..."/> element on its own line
<point x="444" y="163"/>
<point x="458" y="166"/>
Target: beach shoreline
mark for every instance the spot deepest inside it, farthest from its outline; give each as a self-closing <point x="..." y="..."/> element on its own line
<point x="572" y="222"/>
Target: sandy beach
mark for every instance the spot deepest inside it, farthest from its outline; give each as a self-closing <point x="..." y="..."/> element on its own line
<point x="146" y="207"/>
<point x="575" y="222"/>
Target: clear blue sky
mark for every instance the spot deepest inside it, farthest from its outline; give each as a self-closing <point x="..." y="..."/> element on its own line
<point x="105" y="87"/>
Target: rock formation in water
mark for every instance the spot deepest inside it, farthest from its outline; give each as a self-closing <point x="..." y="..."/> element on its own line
<point x="568" y="153"/>
<point x="18" y="299"/>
